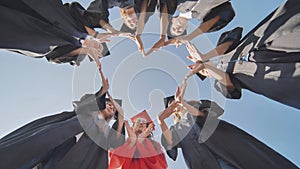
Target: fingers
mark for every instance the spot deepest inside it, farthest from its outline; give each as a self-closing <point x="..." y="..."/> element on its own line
<point x="155" y="47"/>
<point x="150" y="51"/>
<point x="170" y="42"/>
<point x="124" y="34"/>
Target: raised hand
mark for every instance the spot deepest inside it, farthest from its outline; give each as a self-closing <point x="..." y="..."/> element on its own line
<point x="147" y="131"/>
<point x="132" y="136"/>
<point x="102" y="37"/>
<point x="168" y="111"/>
<point x="196" y="67"/>
<point x="194" y="53"/>
<point x="94" y="53"/>
<point x="181" y="40"/>
<point x="137" y="39"/>
<point x="159" y="44"/>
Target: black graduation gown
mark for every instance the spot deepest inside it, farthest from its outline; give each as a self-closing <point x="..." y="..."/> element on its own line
<point x="267" y="59"/>
<point x="151" y="5"/>
<point x="235" y="147"/>
<point x="44" y="28"/>
<point x="50" y="141"/>
<point x="37" y="139"/>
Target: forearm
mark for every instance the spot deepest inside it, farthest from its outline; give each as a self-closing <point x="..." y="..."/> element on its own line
<point x="192" y="110"/>
<point x="90" y="31"/>
<point x="166" y="132"/>
<point x="120" y="122"/>
<point x="141" y="20"/>
<point x="219" y="75"/>
<point x="219" y="50"/>
<point x="106" y="26"/>
<point x="203" y="27"/>
<point x="164" y="21"/>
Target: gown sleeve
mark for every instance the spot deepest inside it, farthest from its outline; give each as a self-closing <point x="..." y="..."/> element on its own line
<point x="97" y="10"/>
<point x="232" y="35"/>
<point x="235" y="93"/>
<point x="172" y="151"/>
<point x="224" y="11"/>
<point x="116" y="139"/>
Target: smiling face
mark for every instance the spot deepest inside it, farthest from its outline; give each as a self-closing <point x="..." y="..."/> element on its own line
<point x="109" y="111"/>
<point x="129" y="17"/>
<point x="178" y="26"/>
<point x="139" y="125"/>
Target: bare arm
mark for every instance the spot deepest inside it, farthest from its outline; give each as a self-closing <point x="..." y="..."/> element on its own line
<point x="161" y="120"/>
<point x="146" y="133"/>
<point x="203" y="27"/>
<point x="131" y="134"/>
<point x="196" y="55"/>
<point x="120" y="115"/>
<point x="192" y="110"/>
<point x="141" y="20"/>
<point x="164" y="22"/>
<point x="219" y="75"/>
<point x="219" y="50"/>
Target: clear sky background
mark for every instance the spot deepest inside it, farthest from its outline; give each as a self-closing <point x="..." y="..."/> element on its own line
<point x="32" y="88"/>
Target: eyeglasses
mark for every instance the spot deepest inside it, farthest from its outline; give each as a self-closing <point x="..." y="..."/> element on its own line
<point x="141" y="121"/>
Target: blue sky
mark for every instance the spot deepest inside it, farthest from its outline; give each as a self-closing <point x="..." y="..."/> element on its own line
<point x="32" y="88"/>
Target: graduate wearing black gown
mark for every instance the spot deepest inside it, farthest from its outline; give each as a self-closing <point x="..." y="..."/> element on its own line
<point x="228" y="147"/>
<point x="267" y="59"/>
<point x="50" y="142"/>
<point x="46" y="28"/>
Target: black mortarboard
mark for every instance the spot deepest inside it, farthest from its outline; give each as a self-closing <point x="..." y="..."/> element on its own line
<point x="168" y="100"/>
<point x="125" y="28"/>
<point x="202" y="77"/>
<point x="207" y="105"/>
<point x="101" y="101"/>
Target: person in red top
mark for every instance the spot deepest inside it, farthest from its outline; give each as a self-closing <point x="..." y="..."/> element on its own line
<point x="140" y="151"/>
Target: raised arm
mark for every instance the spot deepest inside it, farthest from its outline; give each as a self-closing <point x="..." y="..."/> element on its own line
<point x="132" y="136"/>
<point x="164" y="22"/>
<point x="221" y="76"/>
<point x="161" y="120"/>
<point x="140" y="27"/>
<point x="196" y="55"/>
<point x="120" y="111"/>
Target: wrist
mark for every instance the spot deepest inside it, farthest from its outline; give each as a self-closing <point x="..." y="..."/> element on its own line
<point x="95" y="34"/>
<point x="162" y="37"/>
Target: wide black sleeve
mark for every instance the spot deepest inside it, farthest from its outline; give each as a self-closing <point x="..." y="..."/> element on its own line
<point x="235" y="93"/>
<point x="97" y="10"/>
<point x="60" y="55"/>
<point x="115" y="138"/>
<point x="209" y="108"/>
<point x="232" y="35"/>
<point x="224" y="11"/>
<point x="171" y="149"/>
<point x="171" y="6"/>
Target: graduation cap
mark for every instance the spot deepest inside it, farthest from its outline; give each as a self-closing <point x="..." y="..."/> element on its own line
<point x="168" y="100"/>
<point x="102" y="100"/>
<point x="202" y="77"/>
<point x="207" y="106"/>
<point x="144" y="114"/>
<point x="125" y="28"/>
